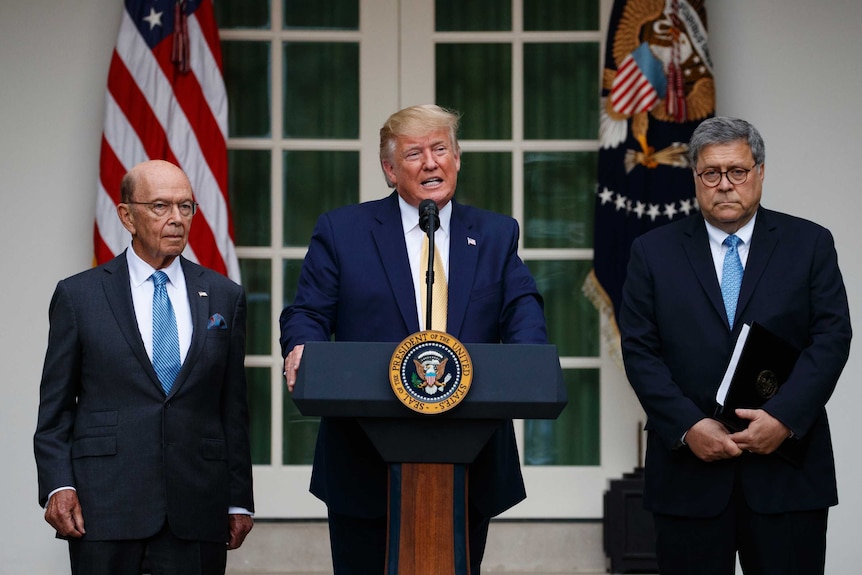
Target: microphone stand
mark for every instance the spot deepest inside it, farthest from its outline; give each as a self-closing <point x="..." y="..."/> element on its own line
<point x="429" y="221"/>
<point x="429" y="278"/>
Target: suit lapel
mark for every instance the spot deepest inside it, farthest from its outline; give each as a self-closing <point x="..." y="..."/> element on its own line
<point x="763" y="242"/>
<point x="389" y="237"/>
<point x="696" y="246"/>
<point x="118" y="292"/>
<point x="463" y="258"/>
<point x="199" y="305"/>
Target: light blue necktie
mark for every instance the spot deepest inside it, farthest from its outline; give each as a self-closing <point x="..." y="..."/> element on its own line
<point x="166" y="340"/>
<point x="731" y="277"/>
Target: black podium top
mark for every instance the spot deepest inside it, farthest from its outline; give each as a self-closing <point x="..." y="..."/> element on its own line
<point x="351" y="379"/>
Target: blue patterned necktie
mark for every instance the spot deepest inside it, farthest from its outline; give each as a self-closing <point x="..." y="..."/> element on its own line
<point x="166" y="340"/>
<point x="731" y="277"/>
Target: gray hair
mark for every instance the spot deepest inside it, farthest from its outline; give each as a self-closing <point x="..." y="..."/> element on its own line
<point x="723" y="130"/>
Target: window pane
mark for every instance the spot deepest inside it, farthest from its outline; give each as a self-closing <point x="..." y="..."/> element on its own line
<point x="315" y="182"/>
<point x="290" y="271"/>
<point x="299" y="434"/>
<point x="543" y="15"/>
<point x="260" y="414"/>
<point x="257" y="281"/>
<point x="250" y="200"/>
<point x="472" y="15"/>
<point x="247" y="78"/>
<point x="559" y="194"/>
<point x="321" y="14"/>
<point x="321" y="90"/>
<point x="242" y="13"/>
<point x="573" y="438"/>
<point x="560" y="86"/>
<point x="485" y="181"/>
<point x="573" y="322"/>
<point x="476" y="80"/>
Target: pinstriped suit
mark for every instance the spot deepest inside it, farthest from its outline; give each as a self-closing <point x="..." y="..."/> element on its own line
<point x="106" y="428"/>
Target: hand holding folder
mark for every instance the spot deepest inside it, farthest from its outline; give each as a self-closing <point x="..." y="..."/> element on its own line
<point x="760" y="364"/>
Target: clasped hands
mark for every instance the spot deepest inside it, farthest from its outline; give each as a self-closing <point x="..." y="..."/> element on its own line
<point x="709" y="440"/>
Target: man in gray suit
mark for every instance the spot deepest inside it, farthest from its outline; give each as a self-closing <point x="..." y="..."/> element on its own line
<point x="133" y="459"/>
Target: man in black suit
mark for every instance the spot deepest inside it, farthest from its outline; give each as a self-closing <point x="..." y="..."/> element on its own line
<point x="360" y="281"/>
<point x="714" y="493"/>
<point x="133" y="459"/>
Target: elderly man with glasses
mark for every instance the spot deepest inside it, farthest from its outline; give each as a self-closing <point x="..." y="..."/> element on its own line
<point x="691" y="287"/>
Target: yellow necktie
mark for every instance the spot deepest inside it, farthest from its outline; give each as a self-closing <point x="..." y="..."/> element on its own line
<point x="439" y="291"/>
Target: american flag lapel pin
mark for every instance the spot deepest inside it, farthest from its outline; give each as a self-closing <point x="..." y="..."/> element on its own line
<point x="203" y="294"/>
<point x="471" y="241"/>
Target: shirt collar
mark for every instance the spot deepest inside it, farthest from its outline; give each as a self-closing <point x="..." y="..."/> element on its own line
<point x="744" y="233"/>
<point x="410" y="216"/>
<point x="140" y="271"/>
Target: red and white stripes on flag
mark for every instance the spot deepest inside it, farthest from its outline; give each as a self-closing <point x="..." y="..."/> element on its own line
<point x="166" y="99"/>
<point x="639" y="84"/>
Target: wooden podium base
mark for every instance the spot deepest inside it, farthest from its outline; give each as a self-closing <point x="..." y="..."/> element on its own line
<point x="427" y="531"/>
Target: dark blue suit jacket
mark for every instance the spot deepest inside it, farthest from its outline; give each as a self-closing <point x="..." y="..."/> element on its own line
<point x="106" y="428"/>
<point x="677" y="343"/>
<point x="356" y="284"/>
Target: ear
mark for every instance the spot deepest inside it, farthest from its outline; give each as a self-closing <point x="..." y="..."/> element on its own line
<point x="389" y="170"/>
<point x="125" y="215"/>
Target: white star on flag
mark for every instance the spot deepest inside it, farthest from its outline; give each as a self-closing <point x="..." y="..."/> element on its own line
<point x="154" y="19"/>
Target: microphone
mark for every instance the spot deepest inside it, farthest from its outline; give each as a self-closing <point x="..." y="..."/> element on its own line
<point x="429" y="216"/>
<point x="429" y="221"/>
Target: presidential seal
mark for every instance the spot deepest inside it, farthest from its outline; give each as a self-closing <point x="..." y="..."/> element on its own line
<point x="766" y="384"/>
<point x="430" y="372"/>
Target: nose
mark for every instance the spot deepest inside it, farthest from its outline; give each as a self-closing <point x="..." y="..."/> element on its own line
<point x="429" y="162"/>
<point x="724" y="183"/>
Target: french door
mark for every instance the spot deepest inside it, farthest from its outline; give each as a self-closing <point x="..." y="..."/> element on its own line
<point x="310" y="84"/>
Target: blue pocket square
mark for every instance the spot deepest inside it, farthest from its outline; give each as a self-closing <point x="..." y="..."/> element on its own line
<point x="216" y="321"/>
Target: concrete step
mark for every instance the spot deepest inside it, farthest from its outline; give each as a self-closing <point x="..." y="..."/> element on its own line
<point x="514" y="548"/>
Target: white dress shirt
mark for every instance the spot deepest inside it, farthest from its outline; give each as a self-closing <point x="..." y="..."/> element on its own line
<point x="718" y="249"/>
<point x="414" y="236"/>
<point x="142" y="298"/>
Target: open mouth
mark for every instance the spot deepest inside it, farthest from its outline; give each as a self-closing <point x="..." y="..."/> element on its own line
<point x="432" y="182"/>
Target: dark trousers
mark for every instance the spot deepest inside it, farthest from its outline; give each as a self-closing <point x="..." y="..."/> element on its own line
<point x="768" y="544"/>
<point x="166" y="555"/>
<point x="359" y="544"/>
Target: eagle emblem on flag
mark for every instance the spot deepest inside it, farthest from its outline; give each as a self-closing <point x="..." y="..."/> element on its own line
<point x="657" y="86"/>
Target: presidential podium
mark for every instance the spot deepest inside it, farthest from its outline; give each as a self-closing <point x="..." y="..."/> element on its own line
<point x="428" y="480"/>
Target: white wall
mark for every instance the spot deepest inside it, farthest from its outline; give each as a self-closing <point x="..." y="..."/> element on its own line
<point x="791" y="67"/>
<point x="54" y="57"/>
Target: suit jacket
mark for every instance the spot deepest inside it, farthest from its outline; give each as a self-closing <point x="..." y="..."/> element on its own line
<point x="106" y="428"/>
<point x="677" y="344"/>
<point x="356" y="284"/>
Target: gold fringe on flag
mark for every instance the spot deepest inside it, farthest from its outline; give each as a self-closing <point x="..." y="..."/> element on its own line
<point x="594" y="292"/>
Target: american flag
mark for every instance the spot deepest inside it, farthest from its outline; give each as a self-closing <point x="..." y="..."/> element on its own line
<point x="640" y="82"/>
<point x="654" y="94"/>
<point x="166" y="99"/>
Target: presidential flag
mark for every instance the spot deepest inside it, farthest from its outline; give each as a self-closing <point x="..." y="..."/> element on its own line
<point x="657" y="86"/>
<point x="166" y="99"/>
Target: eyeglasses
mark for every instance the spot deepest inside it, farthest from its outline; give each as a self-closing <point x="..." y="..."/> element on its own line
<point x="162" y="209"/>
<point x="736" y="176"/>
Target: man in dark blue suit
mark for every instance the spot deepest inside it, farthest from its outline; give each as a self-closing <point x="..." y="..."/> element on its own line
<point x="134" y="460"/>
<point x="712" y="492"/>
<point x="361" y="282"/>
